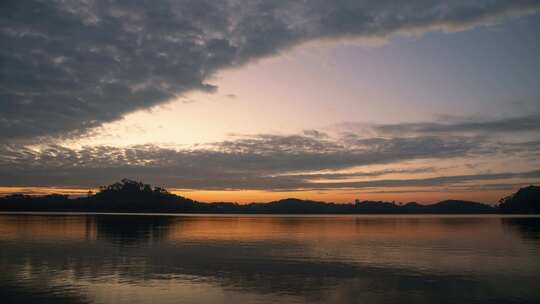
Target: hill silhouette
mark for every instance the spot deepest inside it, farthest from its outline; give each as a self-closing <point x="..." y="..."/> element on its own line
<point x="524" y="201"/>
<point x="128" y="196"/>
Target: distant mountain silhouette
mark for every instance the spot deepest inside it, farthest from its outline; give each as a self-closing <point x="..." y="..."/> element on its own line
<point x="450" y="206"/>
<point x="524" y="201"/>
<point x="135" y="197"/>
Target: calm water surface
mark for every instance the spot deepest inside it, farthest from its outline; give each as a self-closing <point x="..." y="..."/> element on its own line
<point x="264" y="259"/>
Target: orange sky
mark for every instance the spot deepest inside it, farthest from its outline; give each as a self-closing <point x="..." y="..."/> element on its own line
<point x="338" y="196"/>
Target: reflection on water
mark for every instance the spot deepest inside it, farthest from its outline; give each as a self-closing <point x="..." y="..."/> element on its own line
<point x="262" y="259"/>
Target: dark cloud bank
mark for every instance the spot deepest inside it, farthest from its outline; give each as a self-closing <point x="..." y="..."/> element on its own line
<point x="67" y="66"/>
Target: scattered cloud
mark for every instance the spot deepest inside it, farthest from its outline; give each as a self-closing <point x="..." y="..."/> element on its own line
<point x="315" y="133"/>
<point x="269" y="162"/>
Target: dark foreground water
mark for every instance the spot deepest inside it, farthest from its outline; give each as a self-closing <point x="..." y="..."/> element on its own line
<point x="259" y="259"/>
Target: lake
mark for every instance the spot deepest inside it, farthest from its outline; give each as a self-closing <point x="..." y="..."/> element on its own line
<point x="83" y="258"/>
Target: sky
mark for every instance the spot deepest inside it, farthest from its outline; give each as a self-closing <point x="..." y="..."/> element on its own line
<point x="261" y="100"/>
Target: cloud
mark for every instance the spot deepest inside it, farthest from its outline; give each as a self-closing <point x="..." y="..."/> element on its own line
<point x="448" y="125"/>
<point x="314" y="133"/>
<point x="270" y="162"/>
<point x="432" y="181"/>
<point x="68" y="66"/>
<point x="352" y="175"/>
<point x="529" y="123"/>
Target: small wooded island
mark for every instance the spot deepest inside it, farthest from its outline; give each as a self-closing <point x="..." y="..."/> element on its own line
<point x="135" y="197"/>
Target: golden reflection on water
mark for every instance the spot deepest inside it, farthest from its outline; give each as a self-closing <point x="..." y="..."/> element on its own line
<point x="217" y="259"/>
<point x="82" y="227"/>
<point x="43" y="227"/>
